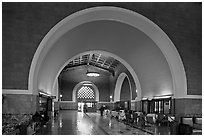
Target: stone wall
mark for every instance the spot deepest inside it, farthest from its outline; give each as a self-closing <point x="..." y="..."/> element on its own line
<point x="68" y="105"/>
<point x="19" y="104"/>
<point x="188" y="106"/>
<point x="66" y="87"/>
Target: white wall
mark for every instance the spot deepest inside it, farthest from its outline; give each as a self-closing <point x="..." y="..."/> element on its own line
<point x="129" y="43"/>
<point x="145" y="47"/>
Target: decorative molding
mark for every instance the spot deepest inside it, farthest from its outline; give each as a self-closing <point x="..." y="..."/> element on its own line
<point x="67" y="102"/>
<point x="15" y="91"/>
<point x="105" y="102"/>
<point x="190" y="97"/>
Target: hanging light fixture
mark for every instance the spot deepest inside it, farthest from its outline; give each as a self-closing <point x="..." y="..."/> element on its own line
<point x="91" y="73"/>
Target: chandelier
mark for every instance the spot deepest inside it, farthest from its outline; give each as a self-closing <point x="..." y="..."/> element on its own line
<point x="92" y="74"/>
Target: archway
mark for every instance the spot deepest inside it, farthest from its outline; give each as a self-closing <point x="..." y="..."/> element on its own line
<point x="135" y="80"/>
<point x="118" y="86"/>
<point x="41" y="78"/>
<point x="74" y="93"/>
<point x="85" y="92"/>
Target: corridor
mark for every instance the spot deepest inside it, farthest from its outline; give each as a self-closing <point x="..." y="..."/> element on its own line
<point x="135" y="61"/>
<point x="71" y="122"/>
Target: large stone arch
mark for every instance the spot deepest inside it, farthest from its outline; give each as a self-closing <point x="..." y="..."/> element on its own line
<point x="128" y="67"/>
<point x="118" y="86"/>
<point x="106" y="13"/>
<point x="81" y="84"/>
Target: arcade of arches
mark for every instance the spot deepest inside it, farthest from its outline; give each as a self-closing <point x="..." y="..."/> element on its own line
<point x="142" y="66"/>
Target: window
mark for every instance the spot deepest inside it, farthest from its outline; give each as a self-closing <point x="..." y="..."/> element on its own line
<point x="85" y="92"/>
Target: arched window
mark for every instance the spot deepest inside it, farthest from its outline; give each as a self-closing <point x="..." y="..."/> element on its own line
<point x="85" y="92"/>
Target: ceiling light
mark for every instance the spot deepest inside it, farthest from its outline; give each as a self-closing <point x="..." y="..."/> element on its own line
<point x="92" y="74"/>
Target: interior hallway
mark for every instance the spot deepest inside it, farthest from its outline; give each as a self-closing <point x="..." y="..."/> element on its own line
<point x="71" y="122"/>
<point x="137" y="58"/>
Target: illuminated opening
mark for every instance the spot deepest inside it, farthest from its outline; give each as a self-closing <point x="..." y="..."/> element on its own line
<point x="85" y="92"/>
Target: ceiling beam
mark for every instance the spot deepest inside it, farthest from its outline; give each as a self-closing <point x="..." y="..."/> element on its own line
<point x="110" y="71"/>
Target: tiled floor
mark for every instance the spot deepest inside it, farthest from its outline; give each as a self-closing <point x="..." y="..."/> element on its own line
<point x="71" y="123"/>
<point x="113" y="127"/>
<point x="77" y="123"/>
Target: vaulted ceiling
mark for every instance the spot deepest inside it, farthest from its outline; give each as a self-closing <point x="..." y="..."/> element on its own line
<point x="133" y="46"/>
<point x="97" y="60"/>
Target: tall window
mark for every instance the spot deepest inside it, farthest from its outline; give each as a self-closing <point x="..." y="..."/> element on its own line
<point x="85" y="92"/>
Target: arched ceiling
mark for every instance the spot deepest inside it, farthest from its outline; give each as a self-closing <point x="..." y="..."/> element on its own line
<point x="123" y="40"/>
<point x="97" y="60"/>
<point x="78" y="74"/>
<point x="106" y="65"/>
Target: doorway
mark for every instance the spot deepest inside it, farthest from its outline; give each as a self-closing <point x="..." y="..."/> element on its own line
<point x="80" y="106"/>
<point x="87" y="106"/>
<point x="86" y="98"/>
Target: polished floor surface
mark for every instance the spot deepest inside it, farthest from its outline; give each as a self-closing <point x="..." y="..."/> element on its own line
<point x="71" y="123"/>
<point x="77" y="123"/>
<point x="113" y="127"/>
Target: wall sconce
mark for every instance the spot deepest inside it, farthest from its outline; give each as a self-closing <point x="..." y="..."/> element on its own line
<point x="111" y="98"/>
<point x="144" y="98"/>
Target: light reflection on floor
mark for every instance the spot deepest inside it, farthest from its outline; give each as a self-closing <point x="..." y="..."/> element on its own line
<point x="113" y="127"/>
<point x="83" y="126"/>
<point x="70" y="122"/>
